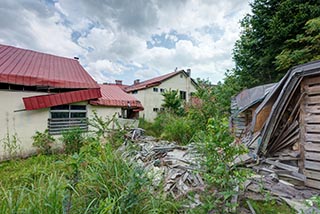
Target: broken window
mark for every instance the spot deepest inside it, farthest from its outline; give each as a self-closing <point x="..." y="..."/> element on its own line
<point x="66" y="117"/>
<point x="183" y="95"/>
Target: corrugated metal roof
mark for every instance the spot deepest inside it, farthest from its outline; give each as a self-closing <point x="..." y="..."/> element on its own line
<point x="31" y="68"/>
<point x="113" y="95"/>
<point x="45" y="101"/>
<point x="154" y="81"/>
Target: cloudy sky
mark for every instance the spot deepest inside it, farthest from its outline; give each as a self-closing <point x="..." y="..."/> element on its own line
<point x="129" y="39"/>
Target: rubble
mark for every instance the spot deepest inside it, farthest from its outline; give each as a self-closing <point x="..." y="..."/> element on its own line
<point x="176" y="167"/>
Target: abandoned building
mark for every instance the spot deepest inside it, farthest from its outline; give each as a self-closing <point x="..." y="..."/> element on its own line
<point x="149" y="92"/>
<point x="285" y="127"/>
<point x="41" y="91"/>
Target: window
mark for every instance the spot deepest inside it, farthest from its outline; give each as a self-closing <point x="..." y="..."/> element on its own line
<point x="66" y="117"/>
<point x="135" y="92"/>
<point x="155" y="89"/>
<point x="162" y="90"/>
<point x="183" y="95"/>
<point x="155" y="109"/>
<point x="161" y="109"/>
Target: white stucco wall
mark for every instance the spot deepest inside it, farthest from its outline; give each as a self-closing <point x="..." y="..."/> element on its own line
<point x="105" y="111"/>
<point x="151" y="99"/>
<point x="23" y="124"/>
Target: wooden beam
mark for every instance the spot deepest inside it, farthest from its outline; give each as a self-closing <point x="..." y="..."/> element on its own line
<point x="312" y="156"/>
<point x="315" y="147"/>
<point x="313" y="183"/>
<point x="312" y="174"/>
<point x="312" y="165"/>
<point x="282" y="165"/>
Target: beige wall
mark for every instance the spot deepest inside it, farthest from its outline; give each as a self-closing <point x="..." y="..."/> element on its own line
<point x="23" y="124"/>
<point x="105" y="111"/>
<point x="151" y="99"/>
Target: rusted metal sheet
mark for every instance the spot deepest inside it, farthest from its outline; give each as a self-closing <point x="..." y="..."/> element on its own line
<point x="31" y="68"/>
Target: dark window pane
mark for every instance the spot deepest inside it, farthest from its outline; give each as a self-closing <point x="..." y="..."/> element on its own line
<point x="62" y="107"/>
<point x="76" y="107"/>
<point x="59" y="114"/>
<point x="78" y="115"/>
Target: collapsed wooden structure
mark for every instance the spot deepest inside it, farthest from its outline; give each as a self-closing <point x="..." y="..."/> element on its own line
<point x="284" y="132"/>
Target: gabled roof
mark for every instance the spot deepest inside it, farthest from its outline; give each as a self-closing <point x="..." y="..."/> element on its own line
<point x="113" y="95"/>
<point x="155" y="81"/>
<point x="31" y="68"/>
<point x="279" y="97"/>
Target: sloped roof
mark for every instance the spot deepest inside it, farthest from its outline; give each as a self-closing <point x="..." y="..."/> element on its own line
<point x="113" y="95"/>
<point x="279" y="97"/>
<point x="31" y="68"/>
<point x="155" y="81"/>
<point x="49" y="100"/>
<point x="249" y="97"/>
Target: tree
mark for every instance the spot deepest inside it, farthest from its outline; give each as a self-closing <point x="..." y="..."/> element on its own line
<point x="264" y="35"/>
<point x="172" y="102"/>
<point x="304" y="48"/>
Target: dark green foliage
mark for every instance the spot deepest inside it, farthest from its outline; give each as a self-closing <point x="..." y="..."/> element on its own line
<point x="43" y="141"/>
<point x="302" y="49"/>
<point x="264" y="36"/>
<point x="73" y="140"/>
<point x="217" y="147"/>
<point x="172" y="102"/>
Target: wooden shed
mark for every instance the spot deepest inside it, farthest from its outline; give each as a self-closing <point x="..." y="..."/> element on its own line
<point x="286" y="126"/>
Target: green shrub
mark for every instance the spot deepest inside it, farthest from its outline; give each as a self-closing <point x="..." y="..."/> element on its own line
<point x="216" y="145"/>
<point x="43" y="141"/>
<point x="178" y="129"/>
<point x="73" y="140"/>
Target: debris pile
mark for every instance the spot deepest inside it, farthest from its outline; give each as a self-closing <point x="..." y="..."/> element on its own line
<point x="176" y="167"/>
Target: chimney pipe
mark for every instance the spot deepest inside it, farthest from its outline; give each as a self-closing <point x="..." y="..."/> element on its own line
<point x="137" y="81"/>
<point x="118" y="82"/>
<point x="189" y="72"/>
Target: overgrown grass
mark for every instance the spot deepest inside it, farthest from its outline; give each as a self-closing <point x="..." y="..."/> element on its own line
<point x="95" y="180"/>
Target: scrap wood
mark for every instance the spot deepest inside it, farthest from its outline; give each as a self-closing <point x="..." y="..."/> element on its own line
<point x="251" y="208"/>
<point x="300" y="206"/>
<point x="282" y="165"/>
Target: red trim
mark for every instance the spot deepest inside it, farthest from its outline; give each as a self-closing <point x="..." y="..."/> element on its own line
<point x="46" y="101"/>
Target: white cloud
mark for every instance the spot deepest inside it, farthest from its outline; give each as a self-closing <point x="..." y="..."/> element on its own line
<point x="114" y="33"/>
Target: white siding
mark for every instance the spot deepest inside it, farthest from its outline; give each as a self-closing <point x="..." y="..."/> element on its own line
<point x="151" y="99"/>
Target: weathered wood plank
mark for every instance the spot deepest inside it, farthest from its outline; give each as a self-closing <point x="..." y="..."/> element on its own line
<point x="312" y="80"/>
<point x="313" y="109"/>
<point x="312" y="137"/>
<point x="313" y="99"/>
<point x="312" y="156"/>
<point x="312" y="128"/>
<point x="282" y="165"/>
<point x="312" y="147"/>
<point x="313" y="89"/>
<point x="313" y="183"/>
<point x="312" y="174"/>
<point x="312" y="165"/>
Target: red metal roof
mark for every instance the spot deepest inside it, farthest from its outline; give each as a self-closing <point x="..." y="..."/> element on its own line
<point x="31" y="68"/>
<point x="113" y="95"/>
<point x="154" y="81"/>
<point x="45" y="101"/>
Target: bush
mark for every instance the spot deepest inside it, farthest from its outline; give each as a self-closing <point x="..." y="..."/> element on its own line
<point x="73" y="140"/>
<point x="43" y="141"/>
<point x="178" y="129"/>
<point x="216" y="145"/>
